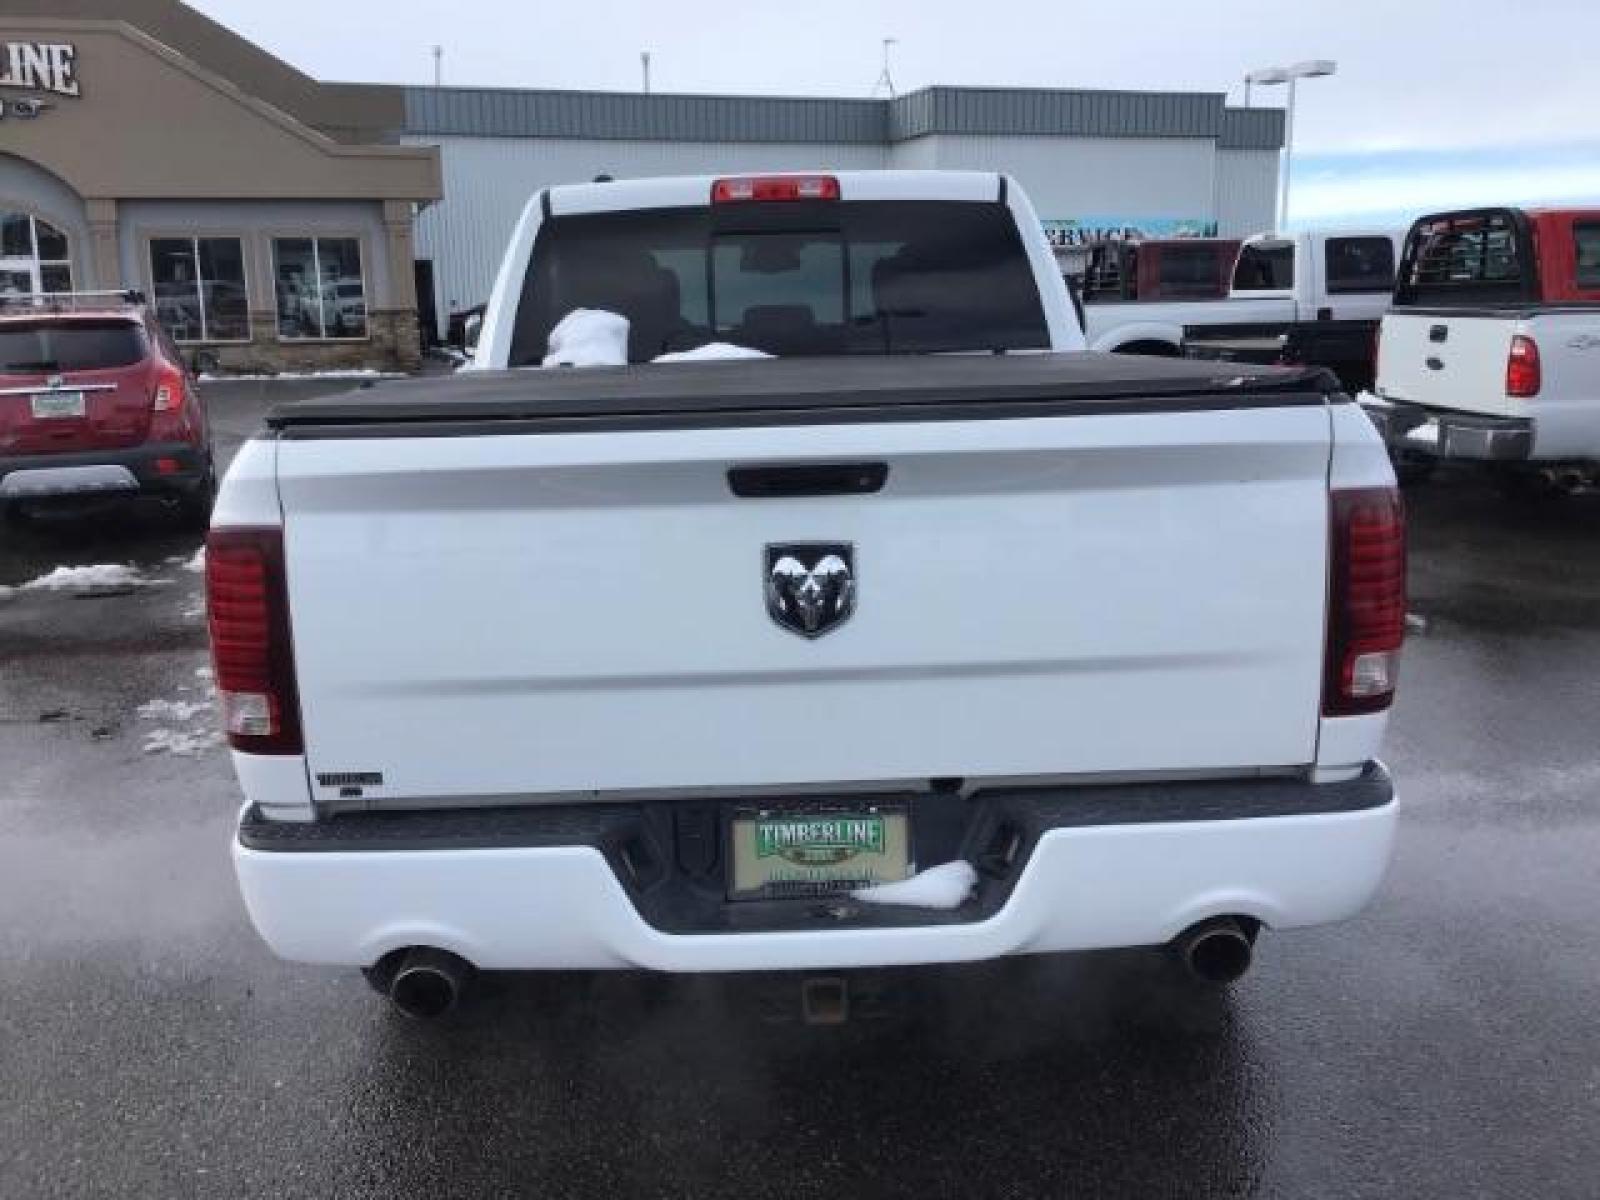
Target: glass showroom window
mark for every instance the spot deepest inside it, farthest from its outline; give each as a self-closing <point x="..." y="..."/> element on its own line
<point x="33" y="255"/>
<point x="199" y="288"/>
<point x="321" y="292"/>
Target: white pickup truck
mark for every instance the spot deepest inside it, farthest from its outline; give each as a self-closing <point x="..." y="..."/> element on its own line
<point x="919" y="644"/>
<point x="1492" y="351"/>
<point x="1311" y="298"/>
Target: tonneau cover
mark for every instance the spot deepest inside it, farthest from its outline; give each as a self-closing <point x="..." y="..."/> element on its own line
<point x="798" y="390"/>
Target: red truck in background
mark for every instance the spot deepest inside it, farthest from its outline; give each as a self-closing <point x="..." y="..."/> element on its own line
<point x="1160" y="269"/>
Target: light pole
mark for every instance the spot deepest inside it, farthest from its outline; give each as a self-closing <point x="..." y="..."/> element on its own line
<point x="1313" y="68"/>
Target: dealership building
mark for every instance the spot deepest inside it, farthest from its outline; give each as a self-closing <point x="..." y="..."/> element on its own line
<point x="284" y="223"/>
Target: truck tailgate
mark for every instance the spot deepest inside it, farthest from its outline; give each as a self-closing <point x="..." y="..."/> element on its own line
<point x="1448" y="359"/>
<point x="527" y="613"/>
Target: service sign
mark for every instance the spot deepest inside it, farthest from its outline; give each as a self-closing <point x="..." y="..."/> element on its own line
<point x="50" y="68"/>
<point x="1096" y="230"/>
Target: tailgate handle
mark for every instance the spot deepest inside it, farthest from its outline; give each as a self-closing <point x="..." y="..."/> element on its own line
<point x="809" y="479"/>
<point x="1438" y="333"/>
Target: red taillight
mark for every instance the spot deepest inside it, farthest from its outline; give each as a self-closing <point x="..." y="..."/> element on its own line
<point x="774" y="187"/>
<point x="248" y="613"/>
<point x="1366" y="600"/>
<point x="1523" y="374"/>
<point x="169" y="419"/>
<point x="169" y="393"/>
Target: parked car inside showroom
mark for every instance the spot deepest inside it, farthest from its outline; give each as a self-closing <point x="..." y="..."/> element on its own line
<point x="96" y="404"/>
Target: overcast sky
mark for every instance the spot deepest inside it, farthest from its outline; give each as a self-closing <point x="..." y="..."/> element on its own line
<point x="1436" y="102"/>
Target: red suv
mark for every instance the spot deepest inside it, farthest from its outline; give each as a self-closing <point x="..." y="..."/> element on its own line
<point x="95" y="402"/>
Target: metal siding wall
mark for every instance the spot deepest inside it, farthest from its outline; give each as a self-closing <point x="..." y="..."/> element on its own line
<point x="485" y="112"/>
<point x="488" y="181"/>
<point x="1070" y="177"/>
<point x="1247" y="191"/>
<point x="915" y="154"/>
<point x="625" y="116"/>
<point x="1252" y="129"/>
<point x="1019" y="111"/>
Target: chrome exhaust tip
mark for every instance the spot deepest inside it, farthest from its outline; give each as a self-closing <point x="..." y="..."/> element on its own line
<point x="429" y="983"/>
<point x="1218" y="951"/>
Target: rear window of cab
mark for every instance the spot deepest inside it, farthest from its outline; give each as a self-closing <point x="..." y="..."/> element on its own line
<point x="39" y="347"/>
<point x="1474" y="258"/>
<point x="792" y="279"/>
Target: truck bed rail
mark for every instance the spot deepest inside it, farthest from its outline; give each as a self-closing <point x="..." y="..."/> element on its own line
<point x="795" y="391"/>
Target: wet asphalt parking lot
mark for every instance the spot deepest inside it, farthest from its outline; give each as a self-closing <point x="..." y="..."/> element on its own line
<point x="1444" y="1044"/>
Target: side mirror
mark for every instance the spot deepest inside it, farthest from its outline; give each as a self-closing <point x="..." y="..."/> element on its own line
<point x="470" y="331"/>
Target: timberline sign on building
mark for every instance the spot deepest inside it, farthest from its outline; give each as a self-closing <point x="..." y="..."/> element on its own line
<point x="40" y="67"/>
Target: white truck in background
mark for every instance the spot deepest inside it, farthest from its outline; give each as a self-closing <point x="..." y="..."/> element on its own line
<point x="838" y="659"/>
<point x="1312" y="298"/>
<point x="1491" y="353"/>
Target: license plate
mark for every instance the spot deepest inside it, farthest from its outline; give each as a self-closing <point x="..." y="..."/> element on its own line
<point x="49" y="405"/>
<point x="782" y="853"/>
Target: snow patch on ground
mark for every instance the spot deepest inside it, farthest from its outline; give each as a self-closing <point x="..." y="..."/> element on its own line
<point x="182" y="742"/>
<point x="202" y="672"/>
<point x="710" y="351"/>
<point x="98" y="575"/>
<point x="172" y="710"/>
<point x="185" y="743"/>
<point x="351" y="373"/>
<point x="944" y="886"/>
<point x="589" y="337"/>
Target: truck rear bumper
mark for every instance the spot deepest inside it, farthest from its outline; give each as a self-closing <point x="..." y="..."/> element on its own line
<point x="1441" y="433"/>
<point x="463" y="884"/>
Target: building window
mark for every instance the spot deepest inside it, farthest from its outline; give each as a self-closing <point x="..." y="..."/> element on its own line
<point x="199" y="288"/>
<point x="33" y="255"/>
<point x="321" y="292"/>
